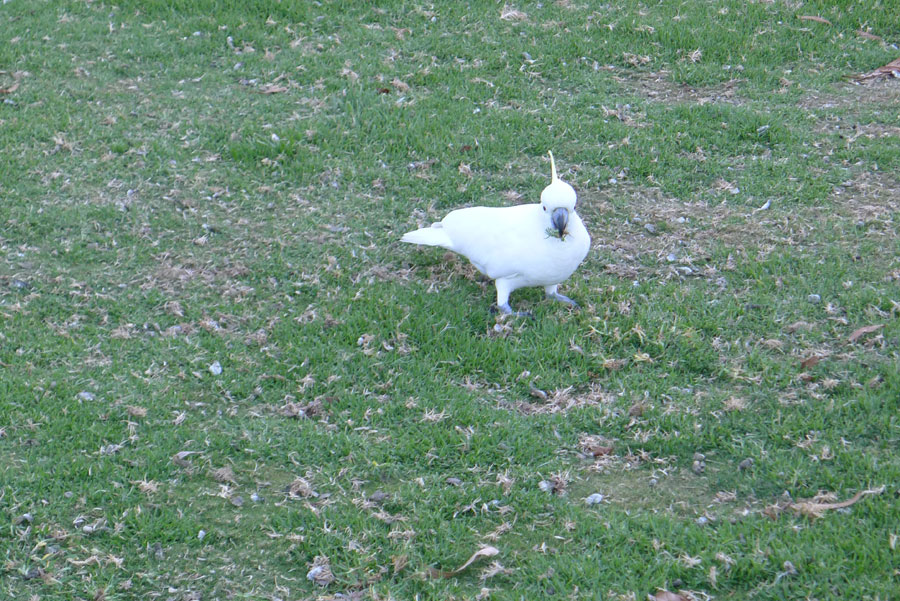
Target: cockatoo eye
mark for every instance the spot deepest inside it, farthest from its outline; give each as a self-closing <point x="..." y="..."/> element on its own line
<point x="545" y="209"/>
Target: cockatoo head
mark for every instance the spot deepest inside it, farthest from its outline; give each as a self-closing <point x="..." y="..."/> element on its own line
<point x="558" y="200"/>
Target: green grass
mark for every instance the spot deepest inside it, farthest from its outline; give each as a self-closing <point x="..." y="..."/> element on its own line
<point x="160" y="211"/>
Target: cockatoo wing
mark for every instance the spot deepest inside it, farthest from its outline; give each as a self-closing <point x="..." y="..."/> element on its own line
<point x="493" y="238"/>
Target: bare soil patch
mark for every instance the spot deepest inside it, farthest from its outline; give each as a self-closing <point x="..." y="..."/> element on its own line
<point x="658" y="87"/>
<point x="882" y="92"/>
<point x="666" y="237"/>
<point x="869" y="198"/>
<point x="680" y="236"/>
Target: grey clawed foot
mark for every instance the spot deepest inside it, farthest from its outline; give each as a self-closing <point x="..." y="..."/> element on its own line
<point x="565" y="299"/>
<point x="507" y="310"/>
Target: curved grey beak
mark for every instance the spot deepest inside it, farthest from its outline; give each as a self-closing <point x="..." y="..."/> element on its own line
<point x="560" y="219"/>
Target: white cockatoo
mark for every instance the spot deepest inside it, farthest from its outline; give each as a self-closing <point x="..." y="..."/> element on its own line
<point x="525" y="245"/>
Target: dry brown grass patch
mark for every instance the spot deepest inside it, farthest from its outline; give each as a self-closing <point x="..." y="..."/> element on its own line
<point x="561" y="401"/>
<point x="658" y="87"/>
<point x="681" y="236"/>
<point x="875" y="93"/>
<point x="872" y="196"/>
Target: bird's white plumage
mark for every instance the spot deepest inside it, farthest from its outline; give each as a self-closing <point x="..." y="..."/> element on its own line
<point x="516" y="246"/>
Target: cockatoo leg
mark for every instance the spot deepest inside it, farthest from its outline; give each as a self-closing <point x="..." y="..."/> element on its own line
<point x="504" y="288"/>
<point x="552" y="293"/>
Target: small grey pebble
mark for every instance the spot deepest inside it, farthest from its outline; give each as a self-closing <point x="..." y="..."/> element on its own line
<point x="201" y="535"/>
<point x="68" y="494"/>
<point x="671" y="258"/>
<point x="746" y="464"/>
<point x="698" y="467"/>
<point x="256" y="498"/>
<point x="545" y="485"/>
<point x="789" y="568"/>
<point x="216" y="368"/>
<point x="237" y="501"/>
<point x="702" y="520"/>
<point x="650" y="228"/>
<point x="452" y="481"/>
<point x="594" y="499"/>
<point x="653" y="481"/>
<point x="814" y="299"/>
<point x="699" y="456"/>
<point x="378" y="496"/>
<point x="27" y="517"/>
<point x="84" y="395"/>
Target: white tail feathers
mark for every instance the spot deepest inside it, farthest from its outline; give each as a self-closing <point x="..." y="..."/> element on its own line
<point x="430" y="236"/>
<point x="553" y="176"/>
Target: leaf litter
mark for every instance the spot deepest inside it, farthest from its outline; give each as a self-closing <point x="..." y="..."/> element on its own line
<point x="224" y="474"/>
<point x="509" y="13"/>
<point x="892" y="69"/>
<point x="860" y="332"/>
<point x="817" y="506"/>
<point x="320" y="571"/>
<point x="482" y="553"/>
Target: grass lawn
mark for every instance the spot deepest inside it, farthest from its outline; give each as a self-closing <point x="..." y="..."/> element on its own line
<point x="223" y="376"/>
